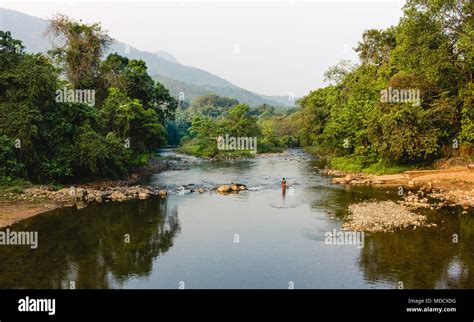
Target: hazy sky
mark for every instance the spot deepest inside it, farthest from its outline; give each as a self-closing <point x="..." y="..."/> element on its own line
<point x="270" y="47"/>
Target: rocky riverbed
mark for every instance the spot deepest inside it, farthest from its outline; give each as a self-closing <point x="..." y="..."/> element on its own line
<point x="37" y="199"/>
<point x="449" y="186"/>
<point x="382" y="216"/>
<point x="15" y="206"/>
<point x="428" y="198"/>
<point x="452" y="186"/>
<point x="80" y="195"/>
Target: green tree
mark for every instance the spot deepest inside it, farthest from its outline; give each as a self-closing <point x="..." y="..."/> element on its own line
<point x="239" y="122"/>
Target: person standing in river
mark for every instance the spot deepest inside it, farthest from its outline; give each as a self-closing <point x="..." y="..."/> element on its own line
<point x="283" y="188"/>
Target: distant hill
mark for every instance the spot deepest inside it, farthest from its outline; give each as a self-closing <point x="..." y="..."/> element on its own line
<point x="166" y="55"/>
<point x="192" y="91"/>
<point x="282" y="100"/>
<point x="162" y="65"/>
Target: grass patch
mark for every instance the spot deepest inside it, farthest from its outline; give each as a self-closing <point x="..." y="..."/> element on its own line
<point x="382" y="168"/>
<point x="361" y="164"/>
<point x="11" y="185"/>
<point x="347" y="164"/>
<point x="192" y="148"/>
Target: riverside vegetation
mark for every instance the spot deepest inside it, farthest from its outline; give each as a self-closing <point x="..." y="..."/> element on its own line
<point x="63" y="140"/>
<point x="430" y="50"/>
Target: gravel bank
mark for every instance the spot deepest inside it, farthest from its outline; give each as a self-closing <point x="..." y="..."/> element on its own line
<point x="382" y="217"/>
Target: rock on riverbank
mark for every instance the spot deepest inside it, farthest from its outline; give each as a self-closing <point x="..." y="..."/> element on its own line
<point x="38" y="199"/>
<point x="84" y="194"/>
<point x="426" y="197"/>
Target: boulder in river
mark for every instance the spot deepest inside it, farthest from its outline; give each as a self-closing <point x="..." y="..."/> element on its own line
<point x="238" y="186"/>
<point x="233" y="187"/>
<point x="224" y="189"/>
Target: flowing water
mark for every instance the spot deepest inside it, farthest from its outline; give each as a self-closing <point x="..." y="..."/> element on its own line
<point x="258" y="238"/>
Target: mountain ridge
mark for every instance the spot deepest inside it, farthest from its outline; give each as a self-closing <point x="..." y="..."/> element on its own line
<point x="161" y="65"/>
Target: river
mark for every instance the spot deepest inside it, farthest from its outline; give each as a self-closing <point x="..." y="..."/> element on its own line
<point x="254" y="239"/>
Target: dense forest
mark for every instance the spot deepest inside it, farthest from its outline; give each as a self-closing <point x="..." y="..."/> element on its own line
<point x="424" y="65"/>
<point x="197" y="127"/>
<point x="429" y="51"/>
<point x="51" y="132"/>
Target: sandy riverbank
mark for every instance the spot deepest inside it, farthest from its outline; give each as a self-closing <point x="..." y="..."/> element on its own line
<point x="12" y="211"/>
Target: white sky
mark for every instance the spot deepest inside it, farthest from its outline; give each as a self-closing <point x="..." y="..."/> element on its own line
<point x="270" y="47"/>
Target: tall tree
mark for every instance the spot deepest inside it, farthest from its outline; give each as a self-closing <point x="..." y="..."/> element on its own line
<point x="78" y="49"/>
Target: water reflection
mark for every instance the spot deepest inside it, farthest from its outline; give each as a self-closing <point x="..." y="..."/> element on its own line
<point x="423" y="258"/>
<point x="90" y="246"/>
<point x="281" y="237"/>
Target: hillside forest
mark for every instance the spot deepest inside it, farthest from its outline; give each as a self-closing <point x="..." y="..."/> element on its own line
<point x="76" y="114"/>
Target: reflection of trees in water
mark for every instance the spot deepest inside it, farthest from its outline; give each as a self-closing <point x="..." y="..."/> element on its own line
<point x="460" y="272"/>
<point x="149" y="237"/>
<point x="423" y="258"/>
<point x="89" y="246"/>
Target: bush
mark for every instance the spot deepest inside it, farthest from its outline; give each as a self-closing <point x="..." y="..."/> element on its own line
<point x="9" y="165"/>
